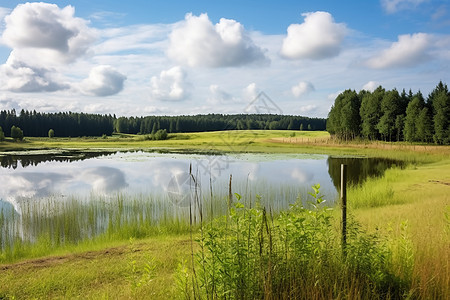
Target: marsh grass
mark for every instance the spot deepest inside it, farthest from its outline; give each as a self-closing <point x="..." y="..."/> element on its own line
<point x="46" y="225"/>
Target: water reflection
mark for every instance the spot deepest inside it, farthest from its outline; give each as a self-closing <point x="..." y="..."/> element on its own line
<point x="105" y="179"/>
<point x="33" y="158"/>
<point x="359" y="168"/>
<point x="18" y="188"/>
<point x="143" y="173"/>
<point x="72" y="198"/>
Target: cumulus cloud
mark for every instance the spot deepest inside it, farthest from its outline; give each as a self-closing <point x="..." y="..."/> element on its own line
<point x="103" y="80"/>
<point x="48" y="31"/>
<point x="318" y="37"/>
<point x="19" y="77"/>
<point x="43" y="38"/>
<point x="197" y="42"/>
<point x="170" y="85"/>
<point x="302" y="88"/>
<point x="371" y="86"/>
<point x="218" y="95"/>
<point x="408" y="51"/>
<point x="392" y="6"/>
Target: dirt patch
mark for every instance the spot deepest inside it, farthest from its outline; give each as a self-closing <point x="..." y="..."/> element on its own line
<point x="51" y="261"/>
<point x="56" y="260"/>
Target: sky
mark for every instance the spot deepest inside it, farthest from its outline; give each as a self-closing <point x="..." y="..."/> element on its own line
<point x="138" y="58"/>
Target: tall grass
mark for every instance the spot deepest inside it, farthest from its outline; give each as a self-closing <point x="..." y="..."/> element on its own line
<point x="252" y="253"/>
<point x="50" y="224"/>
<point x="44" y="226"/>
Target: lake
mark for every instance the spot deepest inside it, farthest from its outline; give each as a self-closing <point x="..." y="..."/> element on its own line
<point x="37" y="187"/>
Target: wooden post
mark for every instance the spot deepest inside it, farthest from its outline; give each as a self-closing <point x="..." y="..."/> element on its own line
<point x="230" y="195"/>
<point x="344" y="206"/>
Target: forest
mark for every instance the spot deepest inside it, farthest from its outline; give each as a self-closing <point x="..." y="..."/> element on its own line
<point x="388" y="115"/>
<point x="70" y="124"/>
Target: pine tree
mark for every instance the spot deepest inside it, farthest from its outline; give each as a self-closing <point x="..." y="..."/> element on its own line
<point x="370" y="113"/>
<point x="440" y="102"/>
<point x="390" y="108"/>
<point x="412" y="115"/>
<point x="424" y="126"/>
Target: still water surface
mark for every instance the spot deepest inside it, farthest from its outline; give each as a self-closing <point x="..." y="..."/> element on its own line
<point x="277" y="178"/>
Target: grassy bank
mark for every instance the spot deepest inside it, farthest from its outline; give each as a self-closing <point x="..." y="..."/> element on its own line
<point x="268" y="141"/>
<point x="408" y="208"/>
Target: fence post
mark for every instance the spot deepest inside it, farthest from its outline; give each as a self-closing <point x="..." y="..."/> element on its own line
<point x="344" y="206"/>
<point x="230" y="195"/>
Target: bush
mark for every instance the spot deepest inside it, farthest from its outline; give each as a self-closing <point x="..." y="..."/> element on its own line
<point x="51" y="133"/>
<point x="16" y="133"/>
<point x="2" y="135"/>
<point x="161" y="134"/>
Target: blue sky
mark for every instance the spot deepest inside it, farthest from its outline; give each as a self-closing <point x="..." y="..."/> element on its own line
<point x="190" y="57"/>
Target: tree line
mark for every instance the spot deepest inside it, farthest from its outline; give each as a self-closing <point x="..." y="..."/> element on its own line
<point x="62" y="124"/>
<point x="216" y="122"/>
<point x="392" y="116"/>
<point x="70" y="124"/>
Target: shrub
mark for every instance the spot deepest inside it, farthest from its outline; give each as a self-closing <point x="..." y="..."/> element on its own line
<point x="16" y="133"/>
<point x="51" y="133"/>
<point x="161" y="134"/>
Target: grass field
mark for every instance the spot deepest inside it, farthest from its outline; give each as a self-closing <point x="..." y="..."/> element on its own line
<point x="408" y="207"/>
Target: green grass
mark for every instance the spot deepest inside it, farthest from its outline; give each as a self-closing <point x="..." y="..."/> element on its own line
<point x="414" y="202"/>
<point x="133" y="270"/>
<point x="265" y="141"/>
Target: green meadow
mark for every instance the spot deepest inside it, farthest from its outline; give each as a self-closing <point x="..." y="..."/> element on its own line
<point x="398" y="244"/>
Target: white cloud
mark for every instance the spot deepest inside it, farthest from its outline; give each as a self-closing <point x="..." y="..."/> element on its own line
<point x="408" y="51"/>
<point x="318" y="37"/>
<point x="302" y="88"/>
<point x="370" y="86"/>
<point x="47" y="32"/>
<point x="308" y="108"/>
<point x="17" y="76"/>
<point x="4" y="11"/>
<point x="250" y="92"/>
<point x="219" y="96"/>
<point x="197" y="42"/>
<point x="7" y="104"/>
<point x="103" y="81"/>
<point x="144" y="37"/>
<point x="170" y="85"/>
<point x="392" y="6"/>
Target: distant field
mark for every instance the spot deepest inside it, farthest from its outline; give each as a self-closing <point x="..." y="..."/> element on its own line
<point x="220" y="139"/>
<point x="240" y="141"/>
